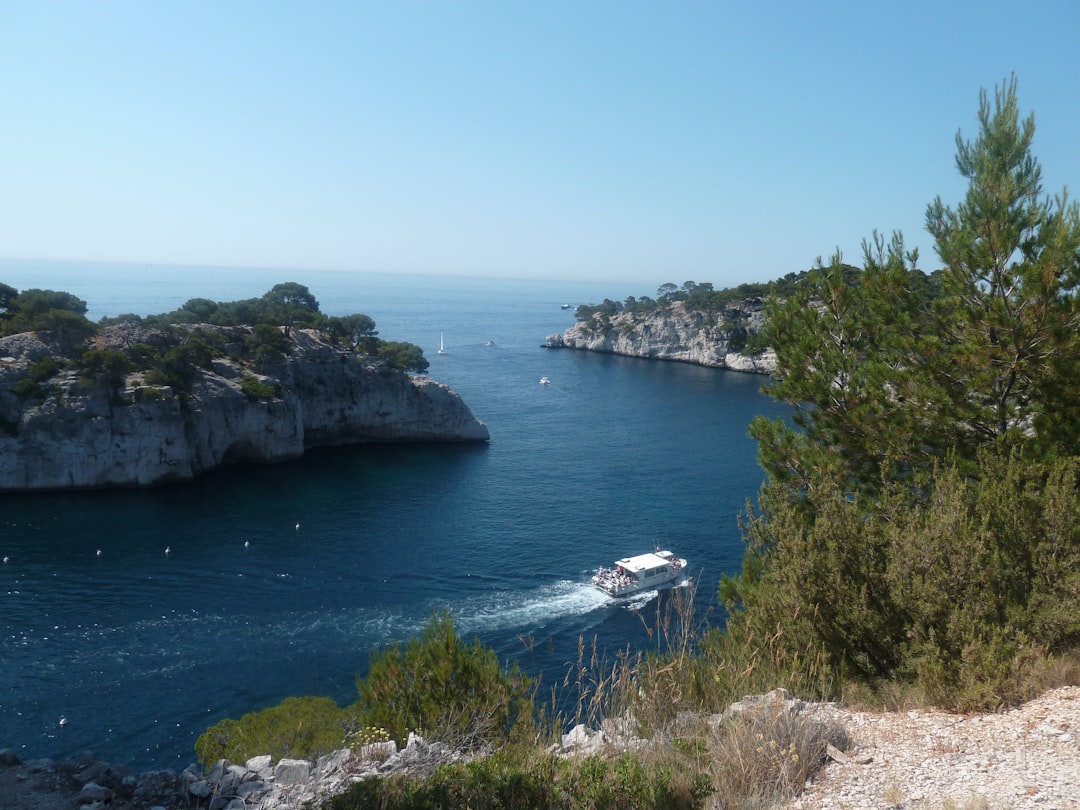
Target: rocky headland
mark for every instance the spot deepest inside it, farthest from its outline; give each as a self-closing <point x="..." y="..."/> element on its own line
<point x="675" y="332"/>
<point x="75" y="433"/>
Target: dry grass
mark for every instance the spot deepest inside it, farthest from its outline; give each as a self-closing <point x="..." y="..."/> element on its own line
<point x="672" y="697"/>
<point x="766" y="753"/>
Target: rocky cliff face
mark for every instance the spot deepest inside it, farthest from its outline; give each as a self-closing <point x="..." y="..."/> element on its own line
<point x="78" y="435"/>
<point x="673" y="333"/>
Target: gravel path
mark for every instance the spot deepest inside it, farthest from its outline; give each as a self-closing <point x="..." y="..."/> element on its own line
<point x="1028" y="757"/>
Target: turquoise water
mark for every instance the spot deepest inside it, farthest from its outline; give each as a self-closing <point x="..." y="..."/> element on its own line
<point x="139" y="650"/>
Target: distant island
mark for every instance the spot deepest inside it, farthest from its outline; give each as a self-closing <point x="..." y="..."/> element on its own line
<point x="138" y="401"/>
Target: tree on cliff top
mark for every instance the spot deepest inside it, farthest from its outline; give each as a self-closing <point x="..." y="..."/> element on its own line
<point x="885" y="382"/>
<point x="916" y="526"/>
<point x="60" y="316"/>
<point x="7" y="297"/>
<point x="1002" y="354"/>
<point x="355" y="331"/>
<point x="290" y="303"/>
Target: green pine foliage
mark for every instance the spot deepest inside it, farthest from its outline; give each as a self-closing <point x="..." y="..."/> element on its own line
<point x="59" y="314"/>
<point x="917" y="525"/>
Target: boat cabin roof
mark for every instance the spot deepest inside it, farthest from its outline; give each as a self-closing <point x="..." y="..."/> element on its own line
<point x="642" y="562"/>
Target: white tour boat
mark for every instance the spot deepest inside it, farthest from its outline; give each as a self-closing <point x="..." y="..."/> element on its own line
<point x="641" y="573"/>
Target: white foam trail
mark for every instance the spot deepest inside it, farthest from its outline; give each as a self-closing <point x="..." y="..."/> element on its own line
<point x="521" y="610"/>
<point x="638" y="600"/>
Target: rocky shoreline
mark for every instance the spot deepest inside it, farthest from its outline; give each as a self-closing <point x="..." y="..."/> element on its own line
<point x="1027" y="757"/>
<point x="674" y="333"/>
<point x="88" y="783"/>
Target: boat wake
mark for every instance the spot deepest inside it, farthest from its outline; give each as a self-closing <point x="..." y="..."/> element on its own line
<point x="529" y="610"/>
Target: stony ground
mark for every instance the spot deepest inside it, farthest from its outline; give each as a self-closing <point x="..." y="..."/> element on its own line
<point x="23" y="788"/>
<point x="1028" y="757"/>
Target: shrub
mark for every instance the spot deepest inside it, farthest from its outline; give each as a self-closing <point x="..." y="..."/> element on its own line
<point x="268" y="344"/>
<point x="537" y="781"/>
<point x="299" y="727"/>
<point x="38" y="372"/>
<point x="148" y="393"/>
<point x="403" y="356"/>
<point x="445" y="689"/>
<point x="255" y="390"/>
<point x="106" y="367"/>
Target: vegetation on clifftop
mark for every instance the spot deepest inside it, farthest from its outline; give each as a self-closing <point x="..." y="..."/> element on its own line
<point x="173" y="347"/>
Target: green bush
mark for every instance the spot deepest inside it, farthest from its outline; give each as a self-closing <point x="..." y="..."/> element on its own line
<point x="38" y="372"/>
<point x="299" y="727"/>
<point x="509" y="780"/>
<point x="106" y="367"/>
<point x="148" y="393"/>
<point x="402" y="356"/>
<point x="444" y="689"/>
<point x="43" y="369"/>
<point x="267" y="344"/>
<point x="968" y="594"/>
<point x="255" y="390"/>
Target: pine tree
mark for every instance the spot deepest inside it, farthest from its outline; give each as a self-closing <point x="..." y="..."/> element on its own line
<point x="883" y="386"/>
<point x="919" y="520"/>
<point x="1001" y="358"/>
<point x="845" y="345"/>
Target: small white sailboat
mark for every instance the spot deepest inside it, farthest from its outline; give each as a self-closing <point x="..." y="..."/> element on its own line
<point x="441" y="349"/>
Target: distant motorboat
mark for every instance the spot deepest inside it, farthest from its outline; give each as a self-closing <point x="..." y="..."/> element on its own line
<point x="545" y="381"/>
<point x="441" y="349"/>
<point x="567" y="306"/>
<point x="491" y="343"/>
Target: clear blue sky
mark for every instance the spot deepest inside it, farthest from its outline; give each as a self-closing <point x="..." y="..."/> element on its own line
<point x="632" y="141"/>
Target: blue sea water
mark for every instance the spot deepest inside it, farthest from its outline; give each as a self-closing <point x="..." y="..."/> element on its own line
<point x="282" y="580"/>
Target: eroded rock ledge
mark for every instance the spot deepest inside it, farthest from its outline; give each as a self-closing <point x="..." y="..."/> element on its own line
<point x="79" y="436"/>
<point x="673" y="333"/>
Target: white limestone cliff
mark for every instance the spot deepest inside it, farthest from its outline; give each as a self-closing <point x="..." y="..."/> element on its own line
<point x="82" y="436"/>
<point x="671" y="333"/>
